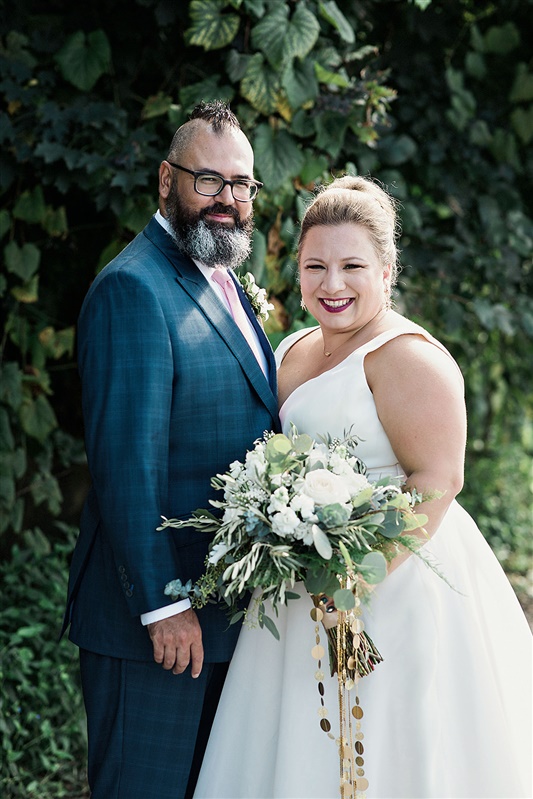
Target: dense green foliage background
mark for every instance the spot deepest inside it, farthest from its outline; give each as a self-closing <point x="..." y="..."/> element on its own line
<point x="435" y="99"/>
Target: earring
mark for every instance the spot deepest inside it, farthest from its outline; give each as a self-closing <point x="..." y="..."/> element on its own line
<point x="303" y="306"/>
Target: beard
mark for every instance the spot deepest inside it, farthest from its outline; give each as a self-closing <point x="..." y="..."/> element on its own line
<point x="212" y="243"/>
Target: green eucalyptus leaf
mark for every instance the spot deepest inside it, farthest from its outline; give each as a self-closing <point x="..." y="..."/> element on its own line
<point x="322" y="542"/>
<point x="84" y="58"/>
<point x="393" y="524"/>
<point x="373" y="567"/>
<point x="211" y="28"/>
<point x="344" y="599"/>
<point x="321" y="581"/>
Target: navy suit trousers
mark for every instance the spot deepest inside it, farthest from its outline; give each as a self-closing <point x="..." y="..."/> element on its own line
<point x="143" y="726"/>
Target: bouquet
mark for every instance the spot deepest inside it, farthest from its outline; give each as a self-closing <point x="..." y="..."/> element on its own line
<point x="301" y="510"/>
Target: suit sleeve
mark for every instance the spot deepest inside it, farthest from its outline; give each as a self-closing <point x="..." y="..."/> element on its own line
<point x="127" y="371"/>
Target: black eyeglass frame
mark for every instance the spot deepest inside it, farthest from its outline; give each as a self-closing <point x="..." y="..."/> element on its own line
<point x="258" y="185"/>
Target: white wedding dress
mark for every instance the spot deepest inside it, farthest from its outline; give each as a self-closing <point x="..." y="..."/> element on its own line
<point x="447" y="714"/>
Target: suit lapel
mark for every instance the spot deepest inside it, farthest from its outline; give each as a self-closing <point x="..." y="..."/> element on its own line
<point x="193" y="282"/>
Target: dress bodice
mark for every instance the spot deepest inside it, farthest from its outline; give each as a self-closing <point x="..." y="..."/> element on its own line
<point x="339" y="401"/>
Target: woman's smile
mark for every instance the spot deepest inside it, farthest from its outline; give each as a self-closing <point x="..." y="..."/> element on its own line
<point x="336" y="306"/>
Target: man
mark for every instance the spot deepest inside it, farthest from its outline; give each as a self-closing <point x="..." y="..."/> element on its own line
<point x="173" y="391"/>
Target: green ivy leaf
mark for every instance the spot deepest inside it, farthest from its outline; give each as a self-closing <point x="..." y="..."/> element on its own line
<point x="156" y="106"/>
<point x="313" y="168"/>
<point x="332" y="14"/>
<point x="30" y="206"/>
<point x="210" y="28"/>
<point x="281" y="39"/>
<point x="278" y="156"/>
<point x="207" y="89"/>
<point x="11" y="385"/>
<point x="300" y="83"/>
<point x="522" y="90"/>
<point x="57" y="342"/>
<point x="522" y="122"/>
<point x="37" y="417"/>
<point x="22" y="261"/>
<point x="29" y="292"/>
<point x="331" y="78"/>
<point x="260" y="85"/>
<point x="84" y="58"/>
<point x="5" y="222"/>
<point x="55" y="221"/>
<point x="502" y="39"/>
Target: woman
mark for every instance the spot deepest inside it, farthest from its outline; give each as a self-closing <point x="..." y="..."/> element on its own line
<point x="448" y="712"/>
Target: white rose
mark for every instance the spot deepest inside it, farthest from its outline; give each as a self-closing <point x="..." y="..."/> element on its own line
<point x="355" y="483"/>
<point x="285" y="523"/>
<point x="325" y="487"/>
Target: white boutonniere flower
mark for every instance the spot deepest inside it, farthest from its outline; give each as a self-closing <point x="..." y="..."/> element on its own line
<point x="257" y="296"/>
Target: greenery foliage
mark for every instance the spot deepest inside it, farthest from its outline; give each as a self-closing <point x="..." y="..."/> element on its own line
<point x="41" y="718"/>
<point x="435" y="99"/>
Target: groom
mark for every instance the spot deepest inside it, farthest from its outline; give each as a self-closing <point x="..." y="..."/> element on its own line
<point x="177" y="383"/>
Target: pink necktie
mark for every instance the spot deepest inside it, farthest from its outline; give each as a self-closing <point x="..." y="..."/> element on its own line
<point x="225" y="281"/>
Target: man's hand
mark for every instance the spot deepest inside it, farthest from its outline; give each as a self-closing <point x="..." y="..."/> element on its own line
<point x="177" y="642"/>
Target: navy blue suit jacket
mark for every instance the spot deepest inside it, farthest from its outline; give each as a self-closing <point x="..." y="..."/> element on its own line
<point x="171" y="395"/>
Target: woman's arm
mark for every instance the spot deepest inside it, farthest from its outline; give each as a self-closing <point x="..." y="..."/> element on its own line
<point x="419" y="396"/>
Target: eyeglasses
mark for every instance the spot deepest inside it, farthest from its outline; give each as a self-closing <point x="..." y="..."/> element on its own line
<point x="208" y="184"/>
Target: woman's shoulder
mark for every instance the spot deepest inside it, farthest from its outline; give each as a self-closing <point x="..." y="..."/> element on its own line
<point x="289" y="341"/>
<point x="408" y="345"/>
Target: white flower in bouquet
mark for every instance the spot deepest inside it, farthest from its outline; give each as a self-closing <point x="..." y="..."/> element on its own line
<point x="285" y="522"/>
<point x="279" y="500"/>
<point x="217" y="552"/>
<point x="305" y="506"/>
<point x="326" y="488"/>
<point x="231" y="514"/>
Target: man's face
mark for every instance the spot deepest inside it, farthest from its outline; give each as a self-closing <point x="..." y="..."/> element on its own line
<point x="214" y="230"/>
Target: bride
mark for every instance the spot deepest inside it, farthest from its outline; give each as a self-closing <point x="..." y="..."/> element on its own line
<point x="447" y="715"/>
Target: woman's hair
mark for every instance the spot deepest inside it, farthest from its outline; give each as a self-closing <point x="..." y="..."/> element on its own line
<point x="359" y="201"/>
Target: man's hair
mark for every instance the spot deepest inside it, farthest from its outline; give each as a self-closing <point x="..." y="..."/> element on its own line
<point x="216" y="114"/>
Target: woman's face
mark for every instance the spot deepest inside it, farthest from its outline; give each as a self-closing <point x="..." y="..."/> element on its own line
<point x="342" y="281"/>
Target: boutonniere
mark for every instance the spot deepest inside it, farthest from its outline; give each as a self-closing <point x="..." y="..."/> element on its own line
<point x="256" y="296"/>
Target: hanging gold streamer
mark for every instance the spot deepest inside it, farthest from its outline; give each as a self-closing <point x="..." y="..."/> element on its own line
<point x="352" y="654"/>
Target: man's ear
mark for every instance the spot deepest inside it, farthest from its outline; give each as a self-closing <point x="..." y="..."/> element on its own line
<point x="165" y="179"/>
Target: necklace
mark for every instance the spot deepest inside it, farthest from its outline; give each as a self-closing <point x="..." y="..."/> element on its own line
<point x="328" y="353"/>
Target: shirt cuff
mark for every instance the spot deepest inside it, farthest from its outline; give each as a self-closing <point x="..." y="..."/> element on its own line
<point x="165" y="612"/>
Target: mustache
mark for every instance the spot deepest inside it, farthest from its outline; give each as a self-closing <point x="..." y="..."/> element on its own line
<point x="219" y="208"/>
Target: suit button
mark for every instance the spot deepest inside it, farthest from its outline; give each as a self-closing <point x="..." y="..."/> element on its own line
<point x="122" y="569"/>
<point x="124" y="578"/>
<point x="129" y="593"/>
